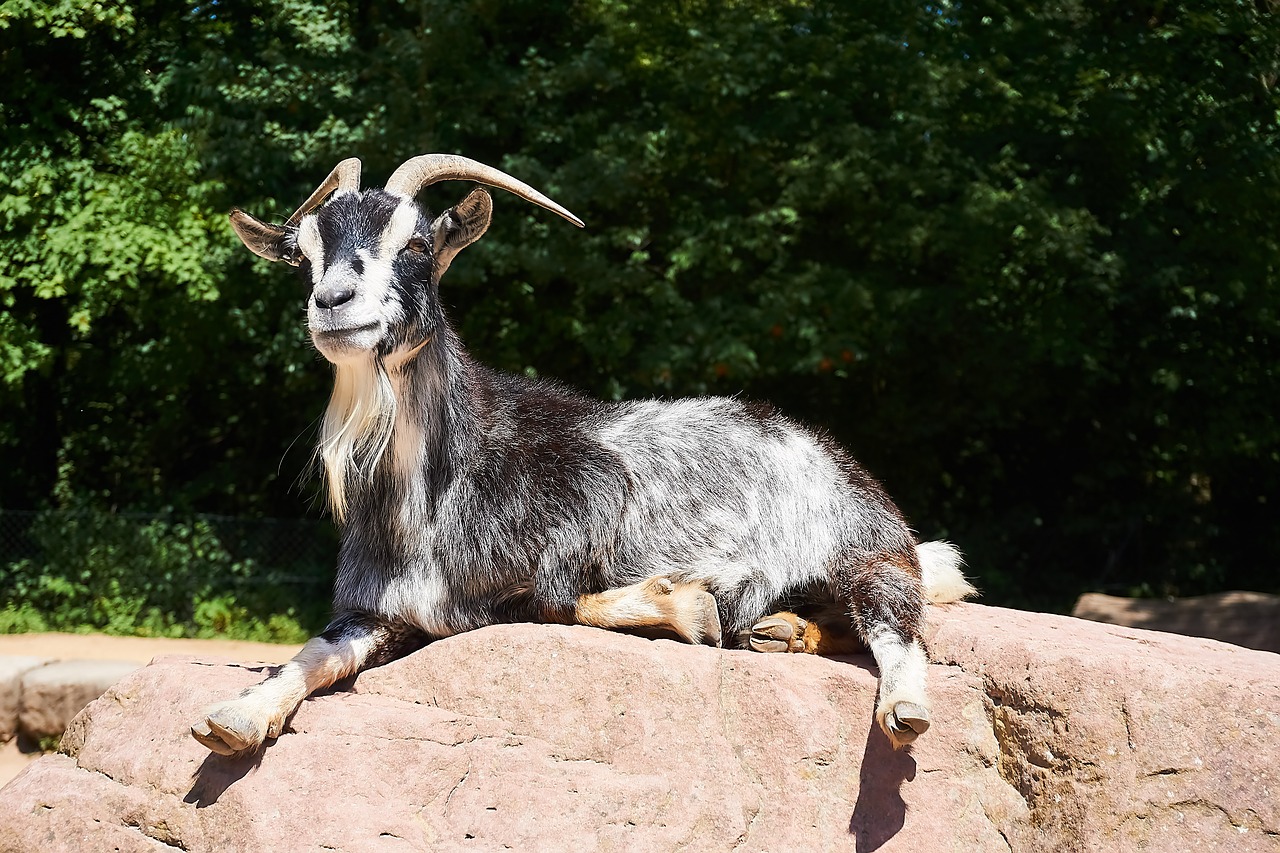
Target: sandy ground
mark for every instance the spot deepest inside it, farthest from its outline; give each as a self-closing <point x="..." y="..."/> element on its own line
<point x="138" y="649"/>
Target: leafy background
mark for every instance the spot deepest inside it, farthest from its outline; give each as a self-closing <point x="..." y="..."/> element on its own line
<point x="1020" y="258"/>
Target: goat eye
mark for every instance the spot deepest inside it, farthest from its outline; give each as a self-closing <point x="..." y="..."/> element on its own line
<point x="417" y="245"/>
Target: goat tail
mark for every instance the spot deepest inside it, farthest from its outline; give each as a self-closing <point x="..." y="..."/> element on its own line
<point x="940" y="564"/>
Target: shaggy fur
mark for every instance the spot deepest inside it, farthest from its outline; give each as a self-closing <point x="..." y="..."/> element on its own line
<point x="468" y="497"/>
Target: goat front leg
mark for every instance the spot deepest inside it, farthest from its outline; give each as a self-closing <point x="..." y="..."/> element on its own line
<point x="352" y="642"/>
<point x="685" y="608"/>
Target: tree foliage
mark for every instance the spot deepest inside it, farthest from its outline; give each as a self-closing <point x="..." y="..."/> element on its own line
<point x="1020" y="259"/>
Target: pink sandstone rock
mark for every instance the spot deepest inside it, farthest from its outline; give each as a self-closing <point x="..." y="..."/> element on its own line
<point x="1249" y="619"/>
<point x="1049" y="733"/>
<point x="12" y="669"/>
<point x="53" y="694"/>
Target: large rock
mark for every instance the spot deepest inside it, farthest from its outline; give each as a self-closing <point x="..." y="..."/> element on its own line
<point x="12" y="669"/>
<point x="1249" y="619"/>
<point x="1049" y="733"/>
<point x="53" y="694"/>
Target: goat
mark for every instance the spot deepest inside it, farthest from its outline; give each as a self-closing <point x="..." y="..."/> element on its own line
<point x="467" y="497"/>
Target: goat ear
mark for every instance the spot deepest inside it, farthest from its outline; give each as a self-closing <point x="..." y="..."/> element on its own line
<point x="263" y="239"/>
<point x="460" y="226"/>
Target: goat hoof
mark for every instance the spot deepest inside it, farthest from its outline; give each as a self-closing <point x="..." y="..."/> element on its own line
<point x="710" y="619"/>
<point x="759" y="644"/>
<point x="783" y="632"/>
<point x="227" y="730"/>
<point x="905" y="722"/>
<point x="202" y="733"/>
<point x="694" y="614"/>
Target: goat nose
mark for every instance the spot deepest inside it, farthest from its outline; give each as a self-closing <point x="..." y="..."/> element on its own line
<point x="332" y="297"/>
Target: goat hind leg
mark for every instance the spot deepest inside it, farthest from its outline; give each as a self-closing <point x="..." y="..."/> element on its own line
<point x="903" y="708"/>
<point x="352" y="642"/>
<point x="886" y="597"/>
<point x="658" y="602"/>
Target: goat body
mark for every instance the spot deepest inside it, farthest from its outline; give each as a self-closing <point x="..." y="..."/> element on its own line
<point x="468" y="497"/>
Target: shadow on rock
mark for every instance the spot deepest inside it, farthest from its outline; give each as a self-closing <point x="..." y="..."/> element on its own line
<point x="880" y="811"/>
<point x="216" y="774"/>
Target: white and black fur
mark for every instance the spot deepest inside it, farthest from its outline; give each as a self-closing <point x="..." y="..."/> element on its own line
<point x="469" y="497"/>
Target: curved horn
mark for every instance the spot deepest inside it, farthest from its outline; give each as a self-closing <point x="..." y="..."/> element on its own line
<point x="345" y="176"/>
<point x="427" y="169"/>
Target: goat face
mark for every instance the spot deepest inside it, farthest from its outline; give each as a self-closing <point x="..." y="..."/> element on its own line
<point x="373" y="262"/>
<point x="373" y="259"/>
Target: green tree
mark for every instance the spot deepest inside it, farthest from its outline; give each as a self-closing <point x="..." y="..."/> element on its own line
<point x="1018" y="258"/>
<point x="142" y="354"/>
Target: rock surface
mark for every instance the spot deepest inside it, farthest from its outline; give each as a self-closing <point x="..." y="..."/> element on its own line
<point x="1049" y="733"/>
<point x="1249" y="619"/>
<point x="46" y="678"/>
<point x="12" y="669"/>
<point x="53" y="694"/>
<point x="83" y="666"/>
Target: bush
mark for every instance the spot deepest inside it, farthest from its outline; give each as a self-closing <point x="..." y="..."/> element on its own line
<point x="101" y="571"/>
